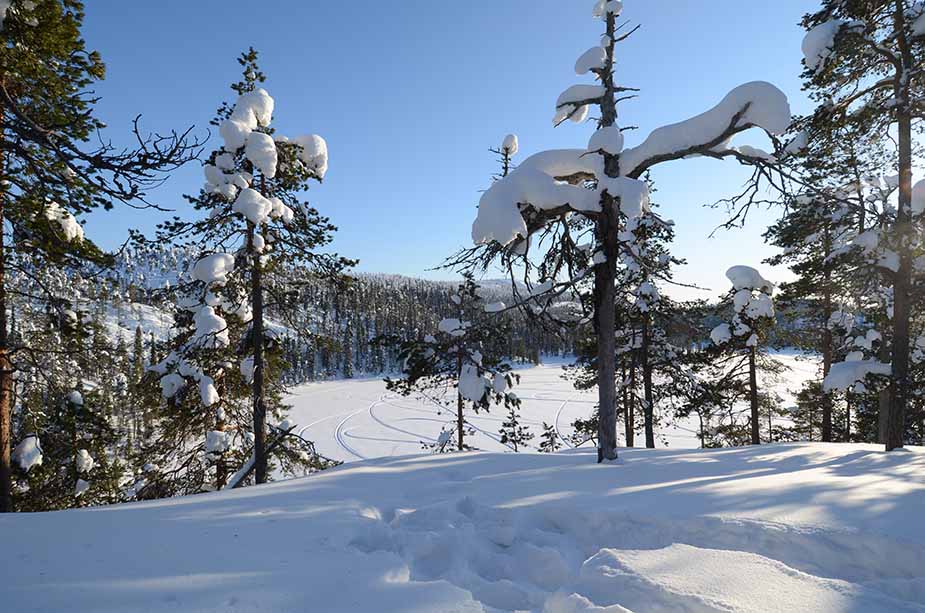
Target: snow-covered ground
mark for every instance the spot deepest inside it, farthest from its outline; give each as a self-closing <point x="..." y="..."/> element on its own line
<point x="809" y="527"/>
<point x="357" y="419"/>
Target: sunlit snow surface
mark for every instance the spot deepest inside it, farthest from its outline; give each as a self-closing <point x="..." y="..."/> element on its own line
<point x="803" y="527"/>
<point x="808" y="527"/>
<point x="359" y="419"/>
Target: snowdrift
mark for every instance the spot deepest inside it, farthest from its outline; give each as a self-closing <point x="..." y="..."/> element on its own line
<point x="806" y="527"/>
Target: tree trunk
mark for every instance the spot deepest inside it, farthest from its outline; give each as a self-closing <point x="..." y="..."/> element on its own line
<point x="627" y="414"/>
<point x="257" y="332"/>
<point x="649" y="406"/>
<point x="631" y="409"/>
<point x="902" y="304"/>
<point x="827" y="352"/>
<point x="460" y="420"/>
<point x="753" y="395"/>
<point x="6" y="369"/>
<point x="607" y="227"/>
<point x="604" y="279"/>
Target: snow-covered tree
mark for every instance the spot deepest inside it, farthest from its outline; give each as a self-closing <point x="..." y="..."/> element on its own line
<point x="256" y="231"/>
<point x="741" y="340"/>
<point x="535" y="220"/>
<point x="459" y="367"/>
<point x="54" y="168"/>
<point x="864" y="67"/>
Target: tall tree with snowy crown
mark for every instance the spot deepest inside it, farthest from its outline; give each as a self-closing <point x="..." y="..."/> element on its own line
<point x="50" y="172"/>
<point x="864" y="65"/>
<point x="257" y="233"/>
<point x="553" y="195"/>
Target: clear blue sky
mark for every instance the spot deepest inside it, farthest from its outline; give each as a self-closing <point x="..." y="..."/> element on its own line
<point x="411" y="93"/>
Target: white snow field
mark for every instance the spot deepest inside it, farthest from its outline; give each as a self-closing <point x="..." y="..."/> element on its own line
<point x="350" y="420"/>
<point x="803" y="527"/>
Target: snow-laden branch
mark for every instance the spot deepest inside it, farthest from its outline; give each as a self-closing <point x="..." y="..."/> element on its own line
<point x="752" y="105"/>
<point x="573" y="180"/>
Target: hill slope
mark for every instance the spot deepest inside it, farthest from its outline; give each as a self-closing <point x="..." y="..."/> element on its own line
<point x="779" y="528"/>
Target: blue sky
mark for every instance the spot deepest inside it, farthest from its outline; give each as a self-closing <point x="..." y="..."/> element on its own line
<point x="410" y="94"/>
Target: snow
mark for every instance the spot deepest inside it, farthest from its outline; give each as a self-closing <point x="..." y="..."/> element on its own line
<point x="495" y="307"/>
<point x="207" y="391"/>
<point x="261" y="151"/>
<point x="760" y="306"/>
<point x="247" y="369"/>
<point x="253" y="206"/>
<point x="603" y="7"/>
<point x="252" y="110"/>
<point x="594" y="58"/>
<point x="472" y="385"/>
<point x="574" y="102"/>
<point x="535" y="181"/>
<point x="577" y="95"/>
<point x="746" y="277"/>
<point x="85" y="462"/>
<point x="918" y="198"/>
<point x="211" y="328"/>
<point x="314" y="154"/>
<point x="803" y="527"/>
<point x="281" y="211"/>
<point x="217" y="441"/>
<point x="918" y="26"/>
<point x="453" y="327"/>
<point x="213" y="269"/>
<point x="510" y="145"/>
<point x="75" y="398"/>
<point x="845" y="375"/>
<point x="633" y="194"/>
<point x="72" y="230"/>
<point x="80" y="487"/>
<point x="360" y="419"/>
<point x="819" y="42"/>
<point x="28" y="453"/>
<point x="721" y="334"/>
<point x="171" y="385"/>
<point x="608" y="140"/>
<point x="764" y="106"/>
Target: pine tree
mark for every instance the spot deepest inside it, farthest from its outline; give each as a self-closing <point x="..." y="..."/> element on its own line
<point x="52" y="168"/>
<point x="741" y="340"/>
<point x="549" y="440"/>
<point x="513" y="433"/>
<point x="257" y="231"/>
<point x="863" y="66"/>
<point x="535" y="221"/>
<point x="462" y="356"/>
